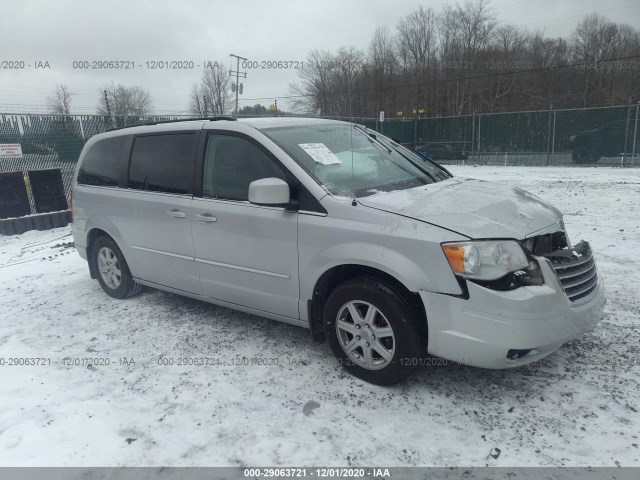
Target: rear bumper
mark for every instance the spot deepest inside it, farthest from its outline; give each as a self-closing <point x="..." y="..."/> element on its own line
<point x="481" y="330"/>
<point x="79" y="240"/>
<point x="82" y="251"/>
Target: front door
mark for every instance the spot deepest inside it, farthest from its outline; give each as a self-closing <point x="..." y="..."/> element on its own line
<point x="246" y="254"/>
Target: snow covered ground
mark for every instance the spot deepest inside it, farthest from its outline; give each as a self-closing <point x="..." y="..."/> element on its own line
<point x="578" y="407"/>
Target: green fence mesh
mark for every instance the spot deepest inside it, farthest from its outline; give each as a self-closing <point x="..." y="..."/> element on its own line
<point x="596" y="136"/>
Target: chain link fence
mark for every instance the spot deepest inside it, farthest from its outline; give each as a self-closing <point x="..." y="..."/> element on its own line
<point x="53" y="141"/>
<point x="605" y="136"/>
<point x="597" y="136"/>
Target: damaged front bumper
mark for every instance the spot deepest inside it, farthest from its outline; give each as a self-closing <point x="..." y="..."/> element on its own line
<point x="504" y="329"/>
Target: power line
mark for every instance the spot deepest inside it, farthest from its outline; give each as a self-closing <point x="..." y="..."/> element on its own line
<point x="581" y="15"/>
<point x="237" y="72"/>
<point x="457" y="79"/>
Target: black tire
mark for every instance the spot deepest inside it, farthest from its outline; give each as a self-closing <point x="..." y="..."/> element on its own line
<point x="409" y="336"/>
<point x="126" y="287"/>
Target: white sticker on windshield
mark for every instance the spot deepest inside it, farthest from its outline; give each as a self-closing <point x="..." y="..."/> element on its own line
<point x="320" y="153"/>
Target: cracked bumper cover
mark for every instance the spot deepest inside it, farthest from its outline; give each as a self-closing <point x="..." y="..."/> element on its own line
<point x="480" y="330"/>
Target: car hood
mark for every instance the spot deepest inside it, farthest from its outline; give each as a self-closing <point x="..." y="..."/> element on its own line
<point x="474" y="208"/>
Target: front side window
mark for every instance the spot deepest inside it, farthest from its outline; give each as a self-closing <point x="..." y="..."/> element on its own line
<point x="349" y="161"/>
<point x="231" y="164"/>
<point x="162" y="163"/>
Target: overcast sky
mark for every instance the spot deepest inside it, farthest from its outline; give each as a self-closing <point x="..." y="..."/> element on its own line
<point x="65" y="31"/>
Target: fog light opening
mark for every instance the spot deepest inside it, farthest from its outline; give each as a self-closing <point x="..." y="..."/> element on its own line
<point x="514" y="354"/>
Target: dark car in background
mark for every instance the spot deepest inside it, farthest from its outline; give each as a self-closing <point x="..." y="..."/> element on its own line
<point x="441" y="151"/>
<point x="588" y="146"/>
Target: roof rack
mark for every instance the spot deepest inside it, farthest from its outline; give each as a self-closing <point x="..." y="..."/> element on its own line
<point x="211" y="119"/>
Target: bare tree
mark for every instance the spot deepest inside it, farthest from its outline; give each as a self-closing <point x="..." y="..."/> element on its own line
<point x="624" y="77"/>
<point x="197" y="102"/>
<point x="552" y="85"/>
<point x="509" y="39"/>
<point x="348" y="64"/>
<point x="59" y="103"/>
<point x="417" y="39"/>
<point x="505" y="53"/>
<point x="591" y="42"/>
<point x="215" y="88"/>
<point x="256" y="110"/>
<point x="314" y="92"/>
<point x="213" y="95"/>
<point x="467" y="31"/>
<point x="593" y="38"/>
<point x="596" y="39"/>
<point x="460" y="60"/>
<point x="416" y="43"/>
<point x="477" y="25"/>
<point x="383" y="65"/>
<point x="124" y="100"/>
<point x="381" y="51"/>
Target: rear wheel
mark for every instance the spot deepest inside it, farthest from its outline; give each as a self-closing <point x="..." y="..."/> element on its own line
<point x="113" y="272"/>
<point x="373" y="331"/>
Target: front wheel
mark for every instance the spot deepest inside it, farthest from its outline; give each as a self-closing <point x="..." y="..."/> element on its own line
<point x="113" y="272"/>
<point x="373" y="331"/>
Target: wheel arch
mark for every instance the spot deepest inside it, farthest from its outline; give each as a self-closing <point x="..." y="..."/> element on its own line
<point x="92" y="236"/>
<point x="339" y="274"/>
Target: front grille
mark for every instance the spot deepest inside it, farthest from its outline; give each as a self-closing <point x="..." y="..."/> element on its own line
<point x="576" y="270"/>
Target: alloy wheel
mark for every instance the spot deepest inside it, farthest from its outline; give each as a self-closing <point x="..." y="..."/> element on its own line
<point x="109" y="268"/>
<point x="365" y="335"/>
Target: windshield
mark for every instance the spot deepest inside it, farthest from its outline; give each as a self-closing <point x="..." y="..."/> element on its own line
<point x="352" y="161"/>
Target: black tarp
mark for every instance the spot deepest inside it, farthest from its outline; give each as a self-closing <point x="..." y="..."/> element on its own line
<point x="47" y="189"/>
<point x="14" y="201"/>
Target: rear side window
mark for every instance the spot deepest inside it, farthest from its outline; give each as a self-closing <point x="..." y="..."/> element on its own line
<point x="162" y="163"/>
<point x="103" y="164"/>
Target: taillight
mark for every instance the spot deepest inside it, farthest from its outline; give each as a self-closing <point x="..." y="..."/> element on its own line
<point x="71" y="206"/>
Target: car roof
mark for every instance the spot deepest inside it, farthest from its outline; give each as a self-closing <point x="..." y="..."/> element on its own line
<point x="270" y="122"/>
<point x="155" y="127"/>
<point x="216" y="122"/>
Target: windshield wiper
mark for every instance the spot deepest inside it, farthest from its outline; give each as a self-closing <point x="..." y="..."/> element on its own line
<point x="442" y="171"/>
<point x="427" y="172"/>
<point x="372" y="137"/>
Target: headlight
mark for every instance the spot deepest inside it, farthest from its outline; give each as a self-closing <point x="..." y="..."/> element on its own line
<point x="485" y="260"/>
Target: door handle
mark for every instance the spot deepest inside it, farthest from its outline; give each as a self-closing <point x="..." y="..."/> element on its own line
<point x="205" y="217"/>
<point x="176" y="213"/>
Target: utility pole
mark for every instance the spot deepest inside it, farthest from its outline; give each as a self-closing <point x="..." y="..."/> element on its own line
<point x="549" y="118"/>
<point x="106" y="101"/>
<point x="626" y="135"/>
<point x="275" y="103"/>
<point x="204" y="102"/>
<point x="350" y="111"/>
<point x="237" y="73"/>
<point x="635" y="133"/>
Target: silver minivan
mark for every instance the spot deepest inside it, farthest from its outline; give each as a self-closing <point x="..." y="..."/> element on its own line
<point x="333" y="227"/>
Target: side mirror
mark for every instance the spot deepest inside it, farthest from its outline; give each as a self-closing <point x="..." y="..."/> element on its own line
<point x="270" y="192"/>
